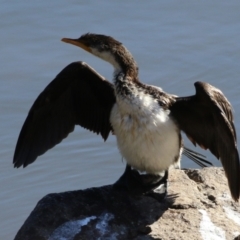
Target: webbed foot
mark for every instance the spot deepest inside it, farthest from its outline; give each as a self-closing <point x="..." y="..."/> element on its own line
<point x="143" y="184"/>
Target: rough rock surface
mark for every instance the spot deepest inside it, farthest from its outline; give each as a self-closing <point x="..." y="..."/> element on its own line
<point x="198" y="206"/>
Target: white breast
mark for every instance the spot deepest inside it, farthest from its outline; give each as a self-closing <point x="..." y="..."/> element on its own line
<point x="147" y="138"/>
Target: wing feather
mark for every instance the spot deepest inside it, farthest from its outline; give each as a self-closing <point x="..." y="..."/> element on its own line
<point x="207" y="120"/>
<point x="77" y="96"/>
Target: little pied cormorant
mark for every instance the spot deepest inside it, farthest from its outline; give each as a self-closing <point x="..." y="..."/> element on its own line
<point x="146" y="120"/>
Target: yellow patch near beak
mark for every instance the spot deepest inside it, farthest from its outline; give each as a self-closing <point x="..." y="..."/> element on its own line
<point x="78" y="43"/>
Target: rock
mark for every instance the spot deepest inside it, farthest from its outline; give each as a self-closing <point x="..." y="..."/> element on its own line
<point x="198" y="206"/>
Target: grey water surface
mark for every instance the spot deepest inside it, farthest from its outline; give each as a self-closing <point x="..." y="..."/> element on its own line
<point x="175" y="44"/>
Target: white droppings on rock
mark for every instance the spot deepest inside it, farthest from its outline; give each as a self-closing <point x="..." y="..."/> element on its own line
<point x="236" y="234"/>
<point x="233" y="215"/>
<point x="102" y="225"/>
<point x="208" y="230"/>
<point x="68" y="230"/>
<point x="225" y="196"/>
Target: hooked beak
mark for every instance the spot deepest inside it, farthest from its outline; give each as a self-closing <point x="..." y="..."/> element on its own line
<point x="77" y="42"/>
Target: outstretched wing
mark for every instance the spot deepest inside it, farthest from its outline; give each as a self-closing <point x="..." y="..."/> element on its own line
<point x="207" y="120"/>
<point x="77" y="96"/>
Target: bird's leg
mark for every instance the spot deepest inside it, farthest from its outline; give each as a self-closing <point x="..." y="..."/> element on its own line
<point x="138" y="184"/>
<point x="160" y="192"/>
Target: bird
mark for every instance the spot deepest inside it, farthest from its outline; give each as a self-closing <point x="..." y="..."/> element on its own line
<point x="148" y="122"/>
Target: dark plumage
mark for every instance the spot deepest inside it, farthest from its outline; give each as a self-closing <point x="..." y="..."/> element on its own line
<point x="80" y="96"/>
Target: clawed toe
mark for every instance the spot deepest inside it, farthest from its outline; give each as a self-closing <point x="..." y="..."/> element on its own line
<point x="139" y="184"/>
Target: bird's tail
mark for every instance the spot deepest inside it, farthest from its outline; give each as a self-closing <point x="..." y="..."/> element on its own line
<point x="196" y="157"/>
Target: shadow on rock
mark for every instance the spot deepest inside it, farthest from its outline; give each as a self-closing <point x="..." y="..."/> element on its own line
<point x="96" y="213"/>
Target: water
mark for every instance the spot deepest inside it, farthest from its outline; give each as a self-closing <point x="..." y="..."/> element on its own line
<point x="174" y="42"/>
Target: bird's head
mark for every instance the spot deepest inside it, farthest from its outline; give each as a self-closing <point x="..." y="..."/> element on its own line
<point x="106" y="48"/>
<point x="95" y="43"/>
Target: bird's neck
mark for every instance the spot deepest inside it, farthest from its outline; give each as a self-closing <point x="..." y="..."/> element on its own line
<point x="125" y="67"/>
